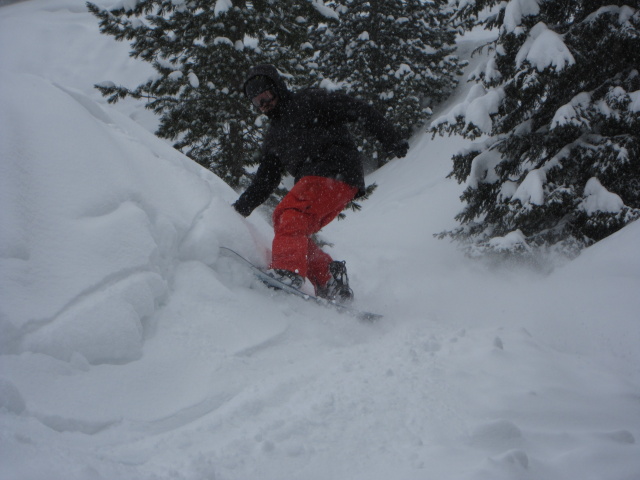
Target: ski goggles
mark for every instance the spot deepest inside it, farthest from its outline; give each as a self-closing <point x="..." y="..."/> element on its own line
<point x="263" y="99"/>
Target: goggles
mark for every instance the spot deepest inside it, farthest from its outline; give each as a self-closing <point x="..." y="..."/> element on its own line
<point x="263" y="99"/>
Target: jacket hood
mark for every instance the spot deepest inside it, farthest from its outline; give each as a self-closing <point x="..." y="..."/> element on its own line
<point x="272" y="73"/>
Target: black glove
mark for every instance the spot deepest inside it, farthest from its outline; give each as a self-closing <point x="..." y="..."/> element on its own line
<point x="241" y="210"/>
<point x="398" y="149"/>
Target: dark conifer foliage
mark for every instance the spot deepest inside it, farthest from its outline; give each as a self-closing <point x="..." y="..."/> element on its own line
<point x="559" y="102"/>
<point x="396" y="54"/>
<point x="201" y="50"/>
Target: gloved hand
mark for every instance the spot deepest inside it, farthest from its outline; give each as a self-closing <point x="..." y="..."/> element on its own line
<point x="398" y="149"/>
<point x="242" y="211"/>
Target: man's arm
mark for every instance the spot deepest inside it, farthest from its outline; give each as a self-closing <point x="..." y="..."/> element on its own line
<point x="351" y="109"/>
<point x="264" y="183"/>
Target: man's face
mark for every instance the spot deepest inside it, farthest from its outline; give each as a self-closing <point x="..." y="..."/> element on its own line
<point x="265" y="101"/>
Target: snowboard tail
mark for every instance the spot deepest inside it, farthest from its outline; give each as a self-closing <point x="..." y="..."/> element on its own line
<point x="274" y="283"/>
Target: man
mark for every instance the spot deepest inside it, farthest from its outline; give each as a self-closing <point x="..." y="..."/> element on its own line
<point x="308" y="138"/>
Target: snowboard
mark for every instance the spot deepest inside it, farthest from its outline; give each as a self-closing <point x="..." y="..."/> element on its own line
<point x="261" y="275"/>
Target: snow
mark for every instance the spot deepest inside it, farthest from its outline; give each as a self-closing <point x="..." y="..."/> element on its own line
<point x="508" y="243"/>
<point x="488" y="70"/>
<point x="324" y="10"/>
<point x="515" y="10"/>
<point x="476" y="109"/>
<point x="624" y="12"/>
<point x="222" y="6"/>
<point x="131" y="350"/>
<point x="194" y="81"/>
<point x="531" y="190"/>
<point x="599" y="199"/>
<point x="403" y="71"/>
<point x="223" y="41"/>
<point x="544" y="48"/>
<point x="570" y="113"/>
<point x="634" y="105"/>
<point x="483" y="168"/>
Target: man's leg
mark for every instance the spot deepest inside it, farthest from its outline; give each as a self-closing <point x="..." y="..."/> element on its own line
<point x="318" y="265"/>
<point x="311" y="204"/>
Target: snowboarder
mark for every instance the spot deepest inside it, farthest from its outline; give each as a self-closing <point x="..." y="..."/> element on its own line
<point x="307" y="137"/>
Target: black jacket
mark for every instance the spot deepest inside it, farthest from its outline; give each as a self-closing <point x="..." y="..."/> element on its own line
<point x="307" y="135"/>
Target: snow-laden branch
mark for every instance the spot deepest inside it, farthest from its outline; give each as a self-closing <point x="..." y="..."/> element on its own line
<point x="599" y="199"/>
<point x="476" y="109"/>
<point x="544" y="48"/>
<point x="515" y="10"/>
<point x="324" y="10"/>
<point x="222" y="6"/>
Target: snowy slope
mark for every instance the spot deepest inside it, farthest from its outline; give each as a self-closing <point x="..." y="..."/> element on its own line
<point x="131" y="350"/>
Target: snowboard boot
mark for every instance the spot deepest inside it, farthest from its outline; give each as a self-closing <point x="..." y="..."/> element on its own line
<point x="337" y="288"/>
<point x="292" y="279"/>
<point x="288" y="278"/>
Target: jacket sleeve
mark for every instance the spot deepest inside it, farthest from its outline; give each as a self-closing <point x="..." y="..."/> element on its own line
<point x="350" y="109"/>
<point x="264" y="183"/>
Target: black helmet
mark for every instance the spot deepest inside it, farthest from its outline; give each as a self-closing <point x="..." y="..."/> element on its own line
<point x="258" y="84"/>
<point x="270" y="74"/>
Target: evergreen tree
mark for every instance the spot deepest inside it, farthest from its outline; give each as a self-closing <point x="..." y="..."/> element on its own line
<point x="559" y="101"/>
<point x="395" y="54"/>
<point x="201" y="50"/>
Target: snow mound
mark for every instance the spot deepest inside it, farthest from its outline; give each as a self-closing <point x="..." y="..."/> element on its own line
<point x="71" y="282"/>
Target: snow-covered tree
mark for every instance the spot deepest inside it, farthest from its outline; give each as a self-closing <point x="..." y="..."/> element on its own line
<point x="396" y="54"/>
<point x="558" y="103"/>
<point x="201" y="50"/>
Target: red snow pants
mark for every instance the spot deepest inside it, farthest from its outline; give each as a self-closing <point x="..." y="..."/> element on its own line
<point x="311" y="204"/>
